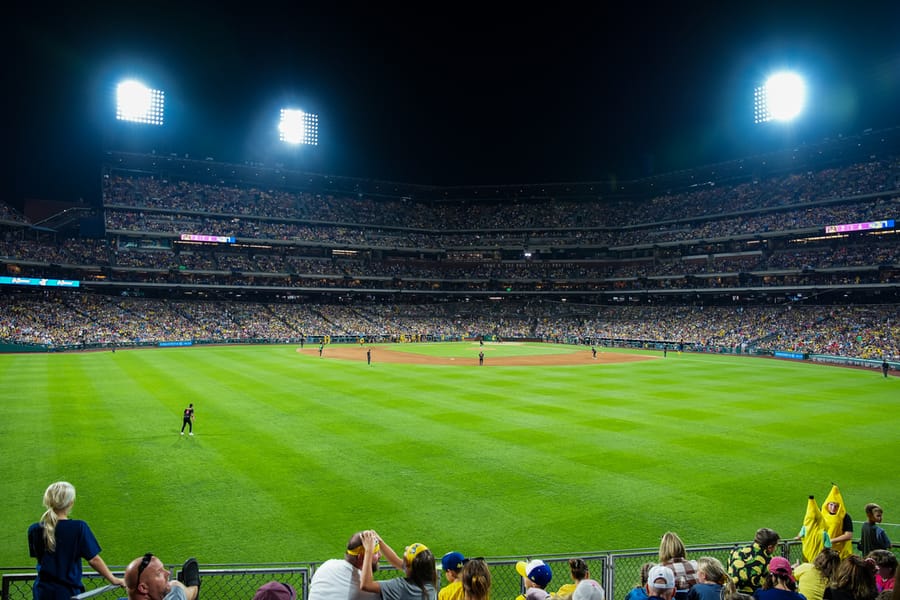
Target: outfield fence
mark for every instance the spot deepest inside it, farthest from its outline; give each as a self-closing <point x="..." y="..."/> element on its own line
<point x="618" y="572"/>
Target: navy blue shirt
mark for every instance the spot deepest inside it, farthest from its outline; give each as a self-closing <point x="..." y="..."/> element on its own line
<point x="59" y="572"/>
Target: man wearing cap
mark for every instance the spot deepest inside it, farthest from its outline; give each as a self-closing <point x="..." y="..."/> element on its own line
<point x="275" y="590"/>
<point x="661" y="582"/>
<point x="535" y="575"/>
<point x="747" y="566"/>
<point x="338" y="579"/>
<point x="452" y="564"/>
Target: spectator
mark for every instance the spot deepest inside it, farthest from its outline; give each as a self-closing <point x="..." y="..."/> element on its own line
<point x="661" y="583"/>
<point x="59" y="544"/>
<point x="589" y="589"/>
<point x="838" y="523"/>
<point x="147" y="577"/>
<point x="813" y="535"/>
<point x="275" y="590"/>
<point x="747" y="566"/>
<point x="476" y="580"/>
<point x="536" y="575"/>
<point x="813" y="577"/>
<point x="712" y="580"/>
<point x="886" y="563"/>
<point x="780" y="583"/>
<point x="672" y="554"/>
<point x="420" y="577"/>
<point x="873" y="537"/>
<point x="340" y="577"/>
<point x="452" y="564"/>
<point x="639" y="592"/>
<point x="853" y="580"/>
<point x="580" y="574"/>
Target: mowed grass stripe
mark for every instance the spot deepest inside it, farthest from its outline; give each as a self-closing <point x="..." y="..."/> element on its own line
<point x="293" y="452"/>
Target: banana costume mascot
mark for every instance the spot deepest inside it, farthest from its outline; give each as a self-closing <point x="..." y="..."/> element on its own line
<point x="834" y="523"/>
<point x="814" y="535"/>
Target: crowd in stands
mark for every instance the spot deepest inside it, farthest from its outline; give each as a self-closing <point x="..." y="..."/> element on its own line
<point x="65" y="318"/>
<point x="757" y="234"/>
<point x="606" y="233"/>
<point x="776" y="192"/>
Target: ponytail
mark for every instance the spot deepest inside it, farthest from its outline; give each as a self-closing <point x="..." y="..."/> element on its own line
<point x="58" y="498"/>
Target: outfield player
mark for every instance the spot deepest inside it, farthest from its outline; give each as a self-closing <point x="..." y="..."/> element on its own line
<point x="188" y="419"/>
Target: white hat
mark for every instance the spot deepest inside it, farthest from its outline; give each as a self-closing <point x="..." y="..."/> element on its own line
<point x="588" y="589"/>
<point x="661" y="572"/>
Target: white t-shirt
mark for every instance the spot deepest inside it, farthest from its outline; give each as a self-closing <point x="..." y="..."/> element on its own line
<point x="336" y="579"/>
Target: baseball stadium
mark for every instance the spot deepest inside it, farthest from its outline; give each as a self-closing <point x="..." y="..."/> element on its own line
<point x="515" y="372"/>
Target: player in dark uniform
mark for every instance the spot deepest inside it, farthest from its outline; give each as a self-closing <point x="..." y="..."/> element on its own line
<point x="885" y="367"/>
<point x="369" y="356"/>
<point x="480" y="358"/>
<point x="594" y="352"/>
<point x="188" y="419"/>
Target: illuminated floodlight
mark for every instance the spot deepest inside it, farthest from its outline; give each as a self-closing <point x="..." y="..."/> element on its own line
<point x="137" y="103"/>
<point x="298" y="127"/>
<point x="781" y="98"/>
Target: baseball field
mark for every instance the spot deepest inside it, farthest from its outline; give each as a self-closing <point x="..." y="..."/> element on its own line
<point x="543" y="449"/>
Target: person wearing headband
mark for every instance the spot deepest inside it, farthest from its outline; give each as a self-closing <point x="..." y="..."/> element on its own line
<point x="419" y="581"/>
<point x="340" y="577"/>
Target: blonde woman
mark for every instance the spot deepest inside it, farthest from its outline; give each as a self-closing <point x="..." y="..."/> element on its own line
<point x="59" y="544"/>
<point x="672" y="554"/>
<point x="714" y="583"/>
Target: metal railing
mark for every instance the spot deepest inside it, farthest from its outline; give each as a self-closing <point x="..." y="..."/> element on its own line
<point x="618" y="572"/>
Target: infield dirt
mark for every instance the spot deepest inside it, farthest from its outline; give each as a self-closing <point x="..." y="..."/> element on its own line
<point x="386" y="355"/>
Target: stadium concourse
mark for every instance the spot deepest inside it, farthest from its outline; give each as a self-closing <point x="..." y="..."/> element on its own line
<point x="795" y="251"/>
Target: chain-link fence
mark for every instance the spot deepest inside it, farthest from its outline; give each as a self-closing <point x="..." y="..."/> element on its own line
<point x="227" y="583"/>
<point x="617" y="572"/>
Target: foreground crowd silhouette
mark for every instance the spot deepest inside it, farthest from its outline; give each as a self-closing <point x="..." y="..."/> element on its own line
<point x="753" y="572"/>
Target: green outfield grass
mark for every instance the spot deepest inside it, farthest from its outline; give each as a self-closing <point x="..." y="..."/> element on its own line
<point x="292" y="453"/>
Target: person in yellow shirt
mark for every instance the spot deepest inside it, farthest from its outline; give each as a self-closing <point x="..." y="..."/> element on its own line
<point x="813" y="577"/>
<point x="452" y="564"/>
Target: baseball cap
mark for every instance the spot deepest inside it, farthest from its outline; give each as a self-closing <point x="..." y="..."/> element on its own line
<point x="535" y="570"/>
<point x="412" y="551"/>
<point x="453" y="561"/>
<point x="779" y="564"/>
<point x="275" y="590"/>
<point x="661" y="572"/>
<point x="588" y="589"/>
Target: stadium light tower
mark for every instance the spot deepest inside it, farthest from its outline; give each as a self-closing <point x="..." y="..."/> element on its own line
<point x="781" y="98"/>
<point x="298" y="127"/>
<point x="137" y="103"/>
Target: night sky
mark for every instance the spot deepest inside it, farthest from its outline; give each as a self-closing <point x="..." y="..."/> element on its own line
<point x="446" y="94"/>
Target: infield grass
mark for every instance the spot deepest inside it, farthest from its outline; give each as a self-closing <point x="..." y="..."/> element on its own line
<point x="292" y="453"/>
